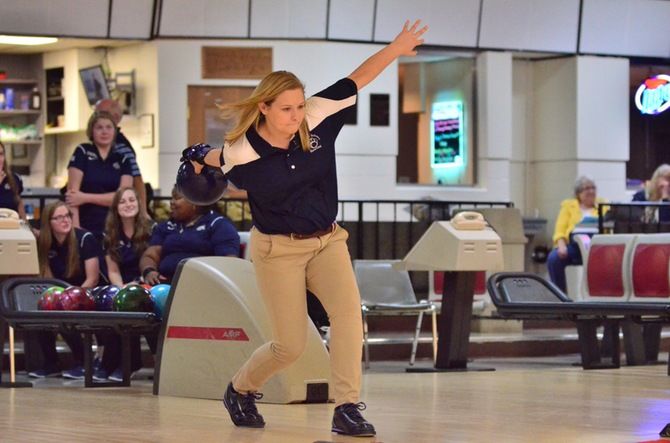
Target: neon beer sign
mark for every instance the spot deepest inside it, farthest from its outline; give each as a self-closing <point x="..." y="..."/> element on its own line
<point x="653" y="96"/>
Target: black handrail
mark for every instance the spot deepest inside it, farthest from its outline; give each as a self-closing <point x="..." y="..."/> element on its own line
<point x="632" y="218"/>
<point x="384" y="229"/>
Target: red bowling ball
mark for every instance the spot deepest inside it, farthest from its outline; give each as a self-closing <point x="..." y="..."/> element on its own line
<point x="75" y="298"/>
<point x="50" y="299"/>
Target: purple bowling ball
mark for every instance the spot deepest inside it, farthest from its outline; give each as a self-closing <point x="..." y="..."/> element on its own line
<point x="104" y="298"/>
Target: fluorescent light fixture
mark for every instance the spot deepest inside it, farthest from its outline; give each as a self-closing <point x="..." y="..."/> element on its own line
<point x="26" y="40"/>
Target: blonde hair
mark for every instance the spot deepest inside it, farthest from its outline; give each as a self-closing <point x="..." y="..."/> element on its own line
<point x="93" y="119"/>
<point x="246" y="112"/>
<point x="46" y="240"/>
<point x="662" y="172"/>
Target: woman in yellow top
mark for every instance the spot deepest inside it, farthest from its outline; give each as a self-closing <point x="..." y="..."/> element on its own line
<point x="583" y="209"/>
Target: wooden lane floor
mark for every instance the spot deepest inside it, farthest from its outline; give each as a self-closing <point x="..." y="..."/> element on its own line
<point x="532" y="399"/>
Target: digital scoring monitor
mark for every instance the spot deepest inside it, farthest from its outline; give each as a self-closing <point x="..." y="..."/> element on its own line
<point x="95" y="84"/>
<point x="447" y="137"/>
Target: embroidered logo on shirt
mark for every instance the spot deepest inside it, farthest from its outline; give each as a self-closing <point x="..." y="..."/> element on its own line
<point x="116" y="165"/>
<point x="91" y="156"/>
<point x="51" y="254"/>
<point x="314" y="142"/>
<point x="7" y="186"/>
<point x="201" y="228"/>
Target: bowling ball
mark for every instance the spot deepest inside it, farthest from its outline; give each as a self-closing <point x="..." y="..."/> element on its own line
<point x="201" y="189"/>
<point x="159" y="295"/>
<point x="49" y="299"/>
<point x="104" y="297"/>
<point x="74" y="298"/>
<point x="133" y="298"/>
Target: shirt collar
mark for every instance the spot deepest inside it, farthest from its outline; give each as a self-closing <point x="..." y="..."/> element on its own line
<point x="263" y="148"/>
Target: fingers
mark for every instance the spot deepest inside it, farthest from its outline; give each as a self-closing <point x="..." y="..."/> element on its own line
<point x="197" y="167"/>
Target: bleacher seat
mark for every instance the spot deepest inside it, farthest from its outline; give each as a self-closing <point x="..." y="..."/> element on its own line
<point x="436" y="286"/>
<point x="650" y="282"/>
<point x="650" y="263"/>
<point x="606" y="276"/>
<point x="574" y="275"/>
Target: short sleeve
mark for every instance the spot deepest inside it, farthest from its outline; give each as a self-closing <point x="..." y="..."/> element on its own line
<point x="224" y="237"/>
<point x="78" y="159"/>
<point x="89" y="247"/>
<point x="332" y="105"/>
<point x="127" y="163"/>
<point x="19" y="184"/>
<point x="129" y="156"/>
<point x="158" y="234"/>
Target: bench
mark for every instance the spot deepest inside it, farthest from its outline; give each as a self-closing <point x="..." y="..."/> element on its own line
<point x="18" y="309"/>
<point x="528" y="296"/>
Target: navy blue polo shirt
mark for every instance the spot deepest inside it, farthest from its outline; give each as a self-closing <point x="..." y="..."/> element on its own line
<point x="212" y="234"/>
<point x="291" y="190"/>
<point x="7" y="196"/>
<point x="100" y="176"/>
<point x="130" y="259"/>
<point x="89" y="247"/>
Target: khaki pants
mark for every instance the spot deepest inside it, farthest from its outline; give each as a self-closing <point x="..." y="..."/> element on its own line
<point x="285" y="268"/>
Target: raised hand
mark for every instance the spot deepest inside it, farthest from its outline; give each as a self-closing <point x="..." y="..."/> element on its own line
<point x="409" y="38"/>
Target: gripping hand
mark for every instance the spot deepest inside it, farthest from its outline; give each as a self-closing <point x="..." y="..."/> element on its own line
<point x="195" y="153"/>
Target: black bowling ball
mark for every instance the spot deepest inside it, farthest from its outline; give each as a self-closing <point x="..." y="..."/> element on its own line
<point x="201" y="189"/>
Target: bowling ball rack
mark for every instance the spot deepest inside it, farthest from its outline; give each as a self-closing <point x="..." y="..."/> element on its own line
<point x="18" y="309"/>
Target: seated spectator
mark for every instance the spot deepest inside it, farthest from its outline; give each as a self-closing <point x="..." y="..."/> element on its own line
<point x="69" y="254"/>
<point x="11" y="186"/>
<point x="657" y="189"/>
<point x="127" y="232"/>
<point x="192" y="231"/>
<point x="581" y="210"/>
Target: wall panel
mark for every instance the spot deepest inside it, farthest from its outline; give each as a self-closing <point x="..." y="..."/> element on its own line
<point x="535" y="25"/>
<point x="626" y="27"/>
<point x="288" y="18"/>
<point x="451" y="22"/>
<point x="131" y="19"/>
<point x="351" y="19"/>
<point x="204" y="18"/>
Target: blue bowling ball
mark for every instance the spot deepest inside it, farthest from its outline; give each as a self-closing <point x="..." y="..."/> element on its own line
<point x="159" y="294"/>
<point x="104" y="297"/>
<point x="201" y="189"/>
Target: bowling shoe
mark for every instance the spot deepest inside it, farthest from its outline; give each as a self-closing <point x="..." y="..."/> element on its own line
<point x="117" y="375"/>
<point x="242" y="408"/>
<point x="348" y="420"/>
<point x="44" y="373"/>
<point x="100" y="374"/>
<point x="76" y="373"/>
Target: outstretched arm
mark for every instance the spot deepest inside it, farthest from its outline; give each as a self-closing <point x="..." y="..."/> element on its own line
<point x="404" y="44"/>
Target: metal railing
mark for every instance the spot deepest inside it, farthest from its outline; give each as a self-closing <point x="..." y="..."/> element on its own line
<point x="378" y="229"/>
<point x="634" y="218"/>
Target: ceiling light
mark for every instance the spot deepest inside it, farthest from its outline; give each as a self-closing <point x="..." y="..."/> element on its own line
<point x="26" y="40"/>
